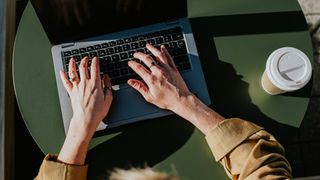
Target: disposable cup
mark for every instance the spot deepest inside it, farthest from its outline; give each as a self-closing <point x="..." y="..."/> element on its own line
<point x="287" y="69"/>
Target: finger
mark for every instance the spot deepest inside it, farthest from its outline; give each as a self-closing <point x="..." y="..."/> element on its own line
<point x="157" y="53"/>
<point x="107" y="86"/>
<point x="95" y="69"/>
<point x="168" y="56"/>
<point x="66" y="83"/>
<point x="140" y="70"/>
<point x="83" y="68"/>
<point x="147" y="60"/>
<point x="139" y="86"/>
<point x="73" y="71"/>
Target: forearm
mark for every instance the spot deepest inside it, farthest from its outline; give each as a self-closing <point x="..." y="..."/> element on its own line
<point x="75" y="147"/>
<point x="200" y="115"/>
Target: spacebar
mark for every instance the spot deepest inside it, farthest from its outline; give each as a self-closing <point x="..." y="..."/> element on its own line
<point x="124" y="79"/>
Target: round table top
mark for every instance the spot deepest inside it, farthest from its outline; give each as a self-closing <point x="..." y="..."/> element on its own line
<point x="233" y="62"/>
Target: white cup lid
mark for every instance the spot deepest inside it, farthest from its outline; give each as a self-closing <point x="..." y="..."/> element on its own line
<point x="289" y="68"/>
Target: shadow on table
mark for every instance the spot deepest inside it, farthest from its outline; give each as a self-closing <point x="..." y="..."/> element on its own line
<point x="150" y="142"/>
<point x="140" y="144"/>
<point x="229" y="93"/>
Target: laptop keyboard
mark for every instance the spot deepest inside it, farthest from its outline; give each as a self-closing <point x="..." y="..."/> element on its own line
<point x="114" y="55"/>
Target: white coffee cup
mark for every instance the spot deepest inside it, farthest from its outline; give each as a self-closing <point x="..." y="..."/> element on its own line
<point x="287" y="69"/>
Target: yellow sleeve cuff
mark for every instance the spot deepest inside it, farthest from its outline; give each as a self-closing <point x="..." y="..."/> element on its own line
<point x="52" y="169"/>
<point x="229" y="134"/>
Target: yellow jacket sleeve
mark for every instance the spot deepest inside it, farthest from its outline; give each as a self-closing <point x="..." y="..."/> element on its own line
<point x="247" y="151"/>
<point x="51" y="169"/>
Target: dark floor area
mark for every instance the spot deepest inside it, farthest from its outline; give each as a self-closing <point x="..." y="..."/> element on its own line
<point x="303" y="153"/>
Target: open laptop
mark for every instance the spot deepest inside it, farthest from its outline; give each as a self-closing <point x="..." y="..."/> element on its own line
<point x="113" y="30"/>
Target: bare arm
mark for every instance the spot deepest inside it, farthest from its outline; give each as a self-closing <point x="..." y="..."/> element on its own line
<point x="244" y="149"/>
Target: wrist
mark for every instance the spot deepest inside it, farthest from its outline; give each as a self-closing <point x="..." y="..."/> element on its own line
<point x="192" y="109"/>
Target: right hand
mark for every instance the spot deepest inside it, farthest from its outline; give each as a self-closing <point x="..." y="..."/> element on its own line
<point x="163" y="85"/>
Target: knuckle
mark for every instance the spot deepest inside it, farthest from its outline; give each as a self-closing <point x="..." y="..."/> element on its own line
<point x="139" y="67"/>
<point x="161" y="73"/>
<point x="153" y="79"/>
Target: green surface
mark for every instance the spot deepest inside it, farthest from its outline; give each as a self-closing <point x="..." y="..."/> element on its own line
<point x="189" y="156"/>
<point x="248" y="55"/>
<point x="35" y="85"/>
<point x="199" y="8"/>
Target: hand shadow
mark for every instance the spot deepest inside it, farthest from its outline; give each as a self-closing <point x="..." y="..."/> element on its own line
<point x="140" y="144"/>
<point x="229" y="93"/>
<point x="150" y="142"/>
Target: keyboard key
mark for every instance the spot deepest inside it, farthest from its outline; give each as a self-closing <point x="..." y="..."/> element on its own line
<point x="107" y="58"/>
<point x="126" y="47"/>
<point x="120" y="41"/>
<point x="115" y="73"/>
<point x="142" y="44"/>
<point x="75" y="51"/>
<point x="115" y="57"/>
<point x="181" y="59"/>
<point x="90" y="48"/>
<point x="66" y="60"/>
<point x="123" y="55"/>
<point x="93" y="54"/>
<point x="112" y="43"/>
<point x="127" y="40"/>
<point x="134" y="38"/>
<point x="117" y="49"/>
<point x="118" y="65"/>
<point x="151" y="41"/>
<point x="110" y="51"/>
<point x="77" y="58"/>
<point x="167" y="38"/>
<point x="104" y="45"/>
<point x="124" y="71"/>
<point x="110" y="66"/>
<point x="101" y="53"/>
<point x="130" y="54"/>
<point x="159" y="40"/>
<point x="84" y="55"/>
<point x="83" y="50"/>
<point x="67" y="53"/>
<point x="134" y="45"/>
<point x="96" y="47"/>
<point x="177" y="36"/>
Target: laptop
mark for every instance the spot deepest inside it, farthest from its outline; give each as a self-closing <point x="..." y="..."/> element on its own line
<point x="113" y="30"/>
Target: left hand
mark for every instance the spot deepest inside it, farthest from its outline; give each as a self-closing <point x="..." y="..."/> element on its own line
<point x="90" y="96"/>
<point x="91" y="99"/>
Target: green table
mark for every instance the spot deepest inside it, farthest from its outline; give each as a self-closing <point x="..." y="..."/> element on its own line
<point x="234" y="40"/>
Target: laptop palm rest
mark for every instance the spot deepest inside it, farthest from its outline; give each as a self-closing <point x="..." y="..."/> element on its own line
<point x="128" y="105"/>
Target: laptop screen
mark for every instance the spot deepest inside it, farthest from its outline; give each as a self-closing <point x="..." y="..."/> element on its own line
<point x="71" y="20"/>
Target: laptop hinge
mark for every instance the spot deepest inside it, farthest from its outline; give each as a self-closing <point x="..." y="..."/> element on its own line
<point x="172" y="23"/>
<point x="67" y="45"/>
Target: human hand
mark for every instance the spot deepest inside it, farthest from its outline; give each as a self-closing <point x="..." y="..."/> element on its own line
<point x="90" y="96"/>
<point x="91" y="99"/>
<point x="164" y="87"/>
<point x="163" y="84"/>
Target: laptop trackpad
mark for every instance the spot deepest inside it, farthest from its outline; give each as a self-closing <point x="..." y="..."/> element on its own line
<point x="129" y="104"/>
